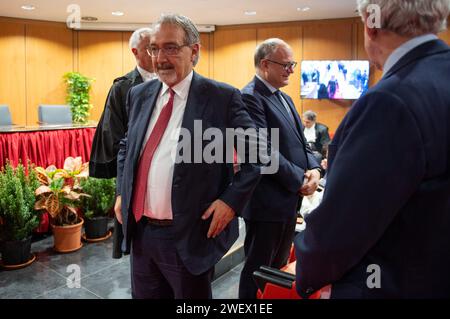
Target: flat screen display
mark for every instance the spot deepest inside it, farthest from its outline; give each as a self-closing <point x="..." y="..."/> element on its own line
<point x="334" y="79"/>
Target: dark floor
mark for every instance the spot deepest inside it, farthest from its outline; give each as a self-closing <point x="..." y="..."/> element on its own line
<point x="101" y="276"/>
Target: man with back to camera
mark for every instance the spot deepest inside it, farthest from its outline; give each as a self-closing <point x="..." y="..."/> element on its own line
<point x="114" y="120"/>
<point x="382" y="229"/>
<point x="270" y="218"/>
<point x="179" y="217"/>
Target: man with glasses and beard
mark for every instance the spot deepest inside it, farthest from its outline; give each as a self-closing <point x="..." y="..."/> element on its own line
<point x="178" y="217"/>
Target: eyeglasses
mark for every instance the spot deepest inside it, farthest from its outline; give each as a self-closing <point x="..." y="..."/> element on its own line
<point x="168" y="50"/>
<point x="286" y="66"/>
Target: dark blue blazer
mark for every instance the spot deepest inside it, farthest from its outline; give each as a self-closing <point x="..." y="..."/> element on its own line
<point x="276" y="196"/>
<point x="195" y="186"/>
<point x="387" y="200"/>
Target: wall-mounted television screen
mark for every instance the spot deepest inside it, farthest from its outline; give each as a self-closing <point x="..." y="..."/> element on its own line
<point x="338" y="79"/>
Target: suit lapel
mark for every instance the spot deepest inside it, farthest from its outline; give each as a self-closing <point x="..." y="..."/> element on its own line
<point x="277" y="103"/>
<point x="291" y="105"/>
<point x="148" y="105"/>
<point x="196" y="102"/>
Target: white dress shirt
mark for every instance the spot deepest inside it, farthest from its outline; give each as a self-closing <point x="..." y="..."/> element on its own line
<point x="158" y="202"/>
<point x="310" y="133"/>
<point x="146" y="76"/>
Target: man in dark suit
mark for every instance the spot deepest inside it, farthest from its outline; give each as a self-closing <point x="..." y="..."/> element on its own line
<point x="179" y="216"/>
<point x="316" y="135"/>
<point x="271" y="216"/>
<point x="114" y="120"/>
<point x="382" y="229"/>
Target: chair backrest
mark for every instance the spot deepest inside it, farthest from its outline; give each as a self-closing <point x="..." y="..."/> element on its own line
<point x="54" y="114"/>
<point x="5" y="115"/>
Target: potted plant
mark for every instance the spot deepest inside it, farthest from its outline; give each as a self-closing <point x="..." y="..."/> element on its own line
<point x="18" y="217"/>
<point x="60" y="195"/>
<point x="98" y="206"/>
<point x="78" y="88"/>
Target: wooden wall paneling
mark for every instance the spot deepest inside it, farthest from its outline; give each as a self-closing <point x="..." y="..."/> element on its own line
<point x="445" y="35"/>
<point x="101" y="58"/>
<point x="12" y="71"/>
<point x="129" y="62"/>
<point x="324" y="40"/>
<point x="203" y="64"/>
<point x="293" y="36"/>
<point x="49" y="55"/>
<point x="233" y="55"/>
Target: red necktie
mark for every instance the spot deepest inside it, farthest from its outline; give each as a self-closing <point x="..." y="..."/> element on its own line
<point x="140" y="189"/>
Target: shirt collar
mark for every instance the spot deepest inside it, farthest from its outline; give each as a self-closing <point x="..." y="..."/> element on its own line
<point x="181" y="89"/>
<point x="269" y="86"/>
<point x="146" y="76"/>
<point x="406" y="47"/>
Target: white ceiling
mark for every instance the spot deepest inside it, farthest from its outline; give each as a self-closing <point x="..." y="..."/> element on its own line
<point x="216" y="12"/>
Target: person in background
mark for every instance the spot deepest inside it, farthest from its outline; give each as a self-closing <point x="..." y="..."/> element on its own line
<point x="113" y="122"/>
<point x="272" y="212"/>
<point x="179" y="216"/>
<point x="316" y="134"/>
<point x="382" y="228"/>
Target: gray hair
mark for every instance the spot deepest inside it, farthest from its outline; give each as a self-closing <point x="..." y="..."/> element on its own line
<point x="410" y="18"/>
<point x="191" y="34"/>
<point x="266" y="49"/>
<point x="310" y="115"/>
<point x="138" y="35"/>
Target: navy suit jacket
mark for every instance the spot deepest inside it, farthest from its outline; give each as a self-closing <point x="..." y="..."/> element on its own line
<point x="195" y="186"/>
<point x="276" y="196"/>
<point x="386" y="207"/>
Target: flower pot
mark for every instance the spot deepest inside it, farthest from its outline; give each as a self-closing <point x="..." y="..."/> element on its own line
<point x="96" y="227"/>
<point x="67" y="238"/>
<point x="16" y="252"/>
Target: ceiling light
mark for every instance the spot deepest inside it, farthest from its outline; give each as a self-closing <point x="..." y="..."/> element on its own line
<point x="117" y="13"/>
<point x="304" y="9"/>
<point x="28" y="7"/>
<point x="88" y="18"/>
<point x="250" y="13"/>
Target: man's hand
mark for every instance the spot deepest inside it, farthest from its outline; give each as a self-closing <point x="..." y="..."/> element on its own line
<point x="324" y="164"/>
<point x="118" y="209"/>
<point x="223" y="214"/>
<point x="311" y="182"/>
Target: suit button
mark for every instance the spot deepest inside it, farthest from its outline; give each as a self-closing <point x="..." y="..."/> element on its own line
<point x="309" y="290"/>
<point x="176" y="180"/>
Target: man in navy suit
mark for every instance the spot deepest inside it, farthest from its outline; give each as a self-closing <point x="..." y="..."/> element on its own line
<point x="271" y="215"/>
<point x="382" y="229"/>
<point x="179" y="216"/>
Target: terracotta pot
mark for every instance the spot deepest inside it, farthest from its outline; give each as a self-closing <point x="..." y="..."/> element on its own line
<point x="67" y="238"/>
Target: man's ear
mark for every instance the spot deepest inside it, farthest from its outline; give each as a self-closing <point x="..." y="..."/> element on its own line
<point x="195" y="50"/>
<point x="263" y="64"/>
<point x="371" y="32"/>
<point x="135" y="51"/>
